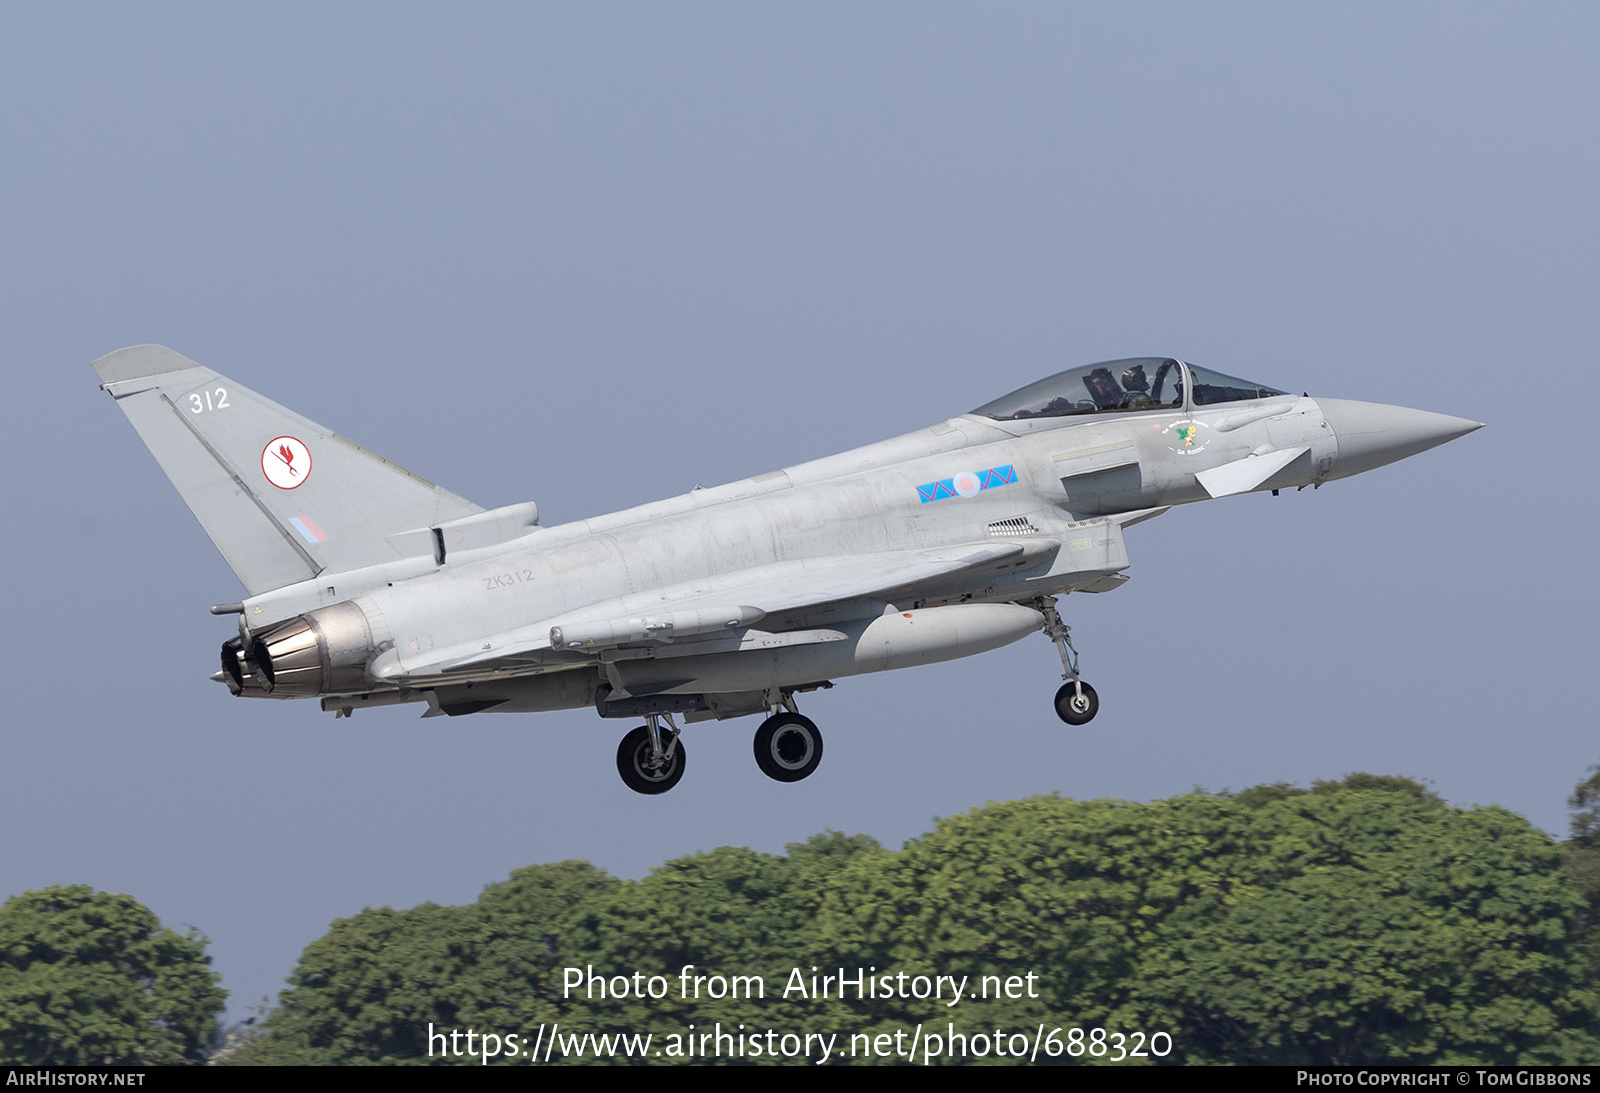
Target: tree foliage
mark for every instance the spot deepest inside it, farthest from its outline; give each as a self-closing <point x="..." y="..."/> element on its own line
<point x="1358" y="921"/>
<point x="89" y="977"/>
<point x="1583" y="860"/>
<point x="367" y="991"/>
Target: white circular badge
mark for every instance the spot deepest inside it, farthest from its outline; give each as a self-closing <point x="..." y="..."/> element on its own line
<point x="966" y="484"/>
<point x="286" y="462"/>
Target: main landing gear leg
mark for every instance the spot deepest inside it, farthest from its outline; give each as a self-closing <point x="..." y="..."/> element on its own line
<point x="788" y="744"/>
<point x="650" y="759"/>
<point x="1076" y="702"/>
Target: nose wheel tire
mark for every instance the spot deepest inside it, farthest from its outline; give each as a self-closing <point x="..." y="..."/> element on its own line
<point x="639" y="767"/>
<point x="1076" y="709"/>
<point x="788" y="747"/>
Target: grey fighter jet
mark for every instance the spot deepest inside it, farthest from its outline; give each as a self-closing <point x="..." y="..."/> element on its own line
<point x="369" y="586"/>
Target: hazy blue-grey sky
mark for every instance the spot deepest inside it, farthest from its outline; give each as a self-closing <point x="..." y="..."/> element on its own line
<point x="594" y="255"/>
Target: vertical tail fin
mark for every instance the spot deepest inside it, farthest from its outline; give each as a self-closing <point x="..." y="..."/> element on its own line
<point x="282" y="497"/>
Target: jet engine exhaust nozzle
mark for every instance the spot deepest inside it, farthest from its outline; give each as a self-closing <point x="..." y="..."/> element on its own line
<point x="321" y="652"/>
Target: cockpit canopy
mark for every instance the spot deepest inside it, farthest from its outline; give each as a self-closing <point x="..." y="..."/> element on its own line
<point x="1122" y="386"/>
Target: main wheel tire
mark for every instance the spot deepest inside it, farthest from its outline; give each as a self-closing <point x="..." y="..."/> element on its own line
<point x="1075" y="710"/>
<point x="788" y="747"/>
<point x="633" y="763"/>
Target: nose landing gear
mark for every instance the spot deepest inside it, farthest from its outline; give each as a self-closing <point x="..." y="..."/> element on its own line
<point x="650" y="760"/>
<point x="1076" y="702"/>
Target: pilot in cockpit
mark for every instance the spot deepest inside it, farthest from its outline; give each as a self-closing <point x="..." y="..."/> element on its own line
<point x="1137" y="384"/>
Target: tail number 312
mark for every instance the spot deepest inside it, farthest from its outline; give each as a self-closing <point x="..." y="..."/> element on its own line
<point x="202" y="401"/>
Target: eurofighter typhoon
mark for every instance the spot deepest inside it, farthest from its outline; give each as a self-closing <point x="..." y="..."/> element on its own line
<point x="369" y="586"/>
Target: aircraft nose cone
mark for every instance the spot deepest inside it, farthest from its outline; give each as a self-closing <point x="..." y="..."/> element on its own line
<point x="1371" y="434"/>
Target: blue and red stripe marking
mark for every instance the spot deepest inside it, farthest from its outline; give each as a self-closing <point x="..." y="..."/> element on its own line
<point x="308" y="529"/>
<point x="967" y="483"/>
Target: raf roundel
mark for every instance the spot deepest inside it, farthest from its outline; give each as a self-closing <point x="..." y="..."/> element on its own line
<point x="966" y="484"/>
<point x="286" y="462"/>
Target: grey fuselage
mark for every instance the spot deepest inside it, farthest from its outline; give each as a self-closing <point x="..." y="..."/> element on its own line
<point x="370" y="585"/>
<point x="1063" y="488"/>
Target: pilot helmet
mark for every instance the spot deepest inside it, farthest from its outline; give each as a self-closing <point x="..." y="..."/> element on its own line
<point x="1134" y="379"/>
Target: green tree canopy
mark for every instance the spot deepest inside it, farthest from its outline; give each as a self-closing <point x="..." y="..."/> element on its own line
<point x="1355" y="923"/>
<point x="1359" y="920"/>
<point x="1583" y="860"/>
<point x="367" y="991"/>
<point x="89" y="977"/>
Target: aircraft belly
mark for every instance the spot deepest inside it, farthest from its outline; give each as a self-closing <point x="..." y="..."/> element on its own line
<point x="897" y="640"/>
<point x="529" y="694"/>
